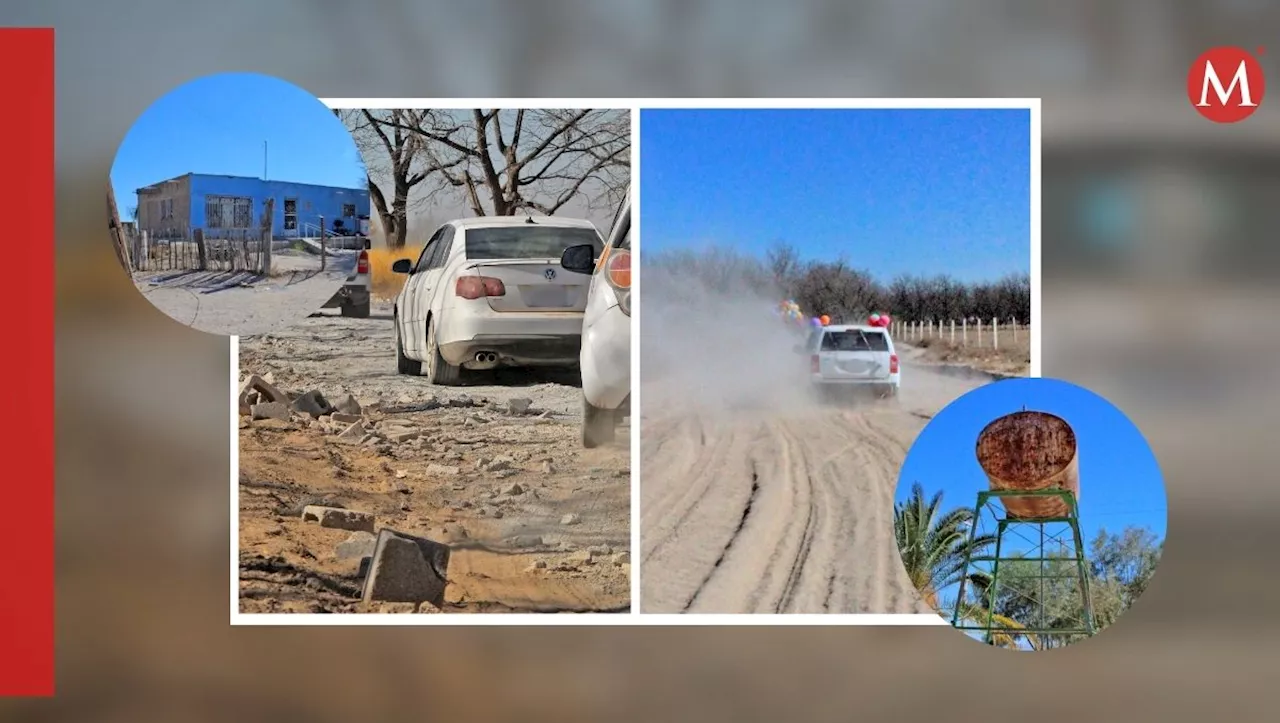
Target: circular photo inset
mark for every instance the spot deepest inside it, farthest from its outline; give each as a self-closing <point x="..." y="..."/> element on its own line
<point x="1030" y="513"/>
<point x="239" y="204"/>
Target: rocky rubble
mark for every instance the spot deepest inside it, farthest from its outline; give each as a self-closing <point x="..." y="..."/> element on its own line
<point x="443" y="460"/>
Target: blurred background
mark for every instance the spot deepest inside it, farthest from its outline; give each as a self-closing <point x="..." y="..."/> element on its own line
<point x="1158" y="292"/>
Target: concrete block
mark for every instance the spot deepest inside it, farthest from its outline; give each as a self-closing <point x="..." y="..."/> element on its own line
<point x="405" y="568"/>
<point x="339" y="519"/>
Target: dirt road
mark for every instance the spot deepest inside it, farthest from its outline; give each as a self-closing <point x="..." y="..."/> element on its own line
<point x="784" y="507"/>
<point x="231" y="303"/>
<point x="536" y="523"/>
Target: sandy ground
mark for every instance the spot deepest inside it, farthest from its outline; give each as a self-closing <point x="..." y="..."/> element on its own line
<point x="536" y="523"/>
<point x="1013" y="358"/>
<point x="757" y="499"/>
<point x="253" y="305"/>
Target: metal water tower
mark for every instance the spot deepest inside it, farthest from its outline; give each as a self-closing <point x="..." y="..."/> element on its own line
<point x="1031" y="460"/>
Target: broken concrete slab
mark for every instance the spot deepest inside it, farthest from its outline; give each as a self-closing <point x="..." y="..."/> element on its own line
<point x="265" y="391"/>
<point x="354" y="433"/>
<point x="440" y="470"/>
<point x="570" y="519"/>
<point x="347" y="404"/>
<point x="339" y="519"/>
<point x="406" y="568"/>
<point x="357" y="545"/>
<point x="519" y="405"/>
<point x="344" y="418"/>
<point x="313" y="403"/>
<point x="402" y="436"/>
<point x="270" y="410"/>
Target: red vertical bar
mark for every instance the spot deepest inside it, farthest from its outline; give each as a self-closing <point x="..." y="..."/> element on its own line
<point x="26" y="441"/>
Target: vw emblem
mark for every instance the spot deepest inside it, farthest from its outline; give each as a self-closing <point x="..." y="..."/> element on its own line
<point x="550" y="273"/>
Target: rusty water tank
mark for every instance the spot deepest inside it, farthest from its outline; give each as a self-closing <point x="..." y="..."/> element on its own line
<point x="1030" y="451"/>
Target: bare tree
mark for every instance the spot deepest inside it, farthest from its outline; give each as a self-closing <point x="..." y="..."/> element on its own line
<point x="503" y="162"/>
<point x="388" y="144"/>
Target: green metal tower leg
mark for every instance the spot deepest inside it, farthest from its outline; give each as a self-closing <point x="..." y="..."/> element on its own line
<point x="968" y="555"/>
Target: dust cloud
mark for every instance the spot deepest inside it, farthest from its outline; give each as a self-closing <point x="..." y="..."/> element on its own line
<point x="710" y="341"/>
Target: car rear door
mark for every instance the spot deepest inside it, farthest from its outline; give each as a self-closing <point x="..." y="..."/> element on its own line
<point x="526" y="259"/>
<point x="854" y="355"/>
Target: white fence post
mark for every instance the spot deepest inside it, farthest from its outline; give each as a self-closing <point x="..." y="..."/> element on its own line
<point x="953" y="331"/>
<point x="979" y="333"/>
<point x="964" y="331"/>
<point x="995" y="332"/>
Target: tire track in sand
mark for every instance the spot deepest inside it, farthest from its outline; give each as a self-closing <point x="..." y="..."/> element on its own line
<point x="789" y="513"/>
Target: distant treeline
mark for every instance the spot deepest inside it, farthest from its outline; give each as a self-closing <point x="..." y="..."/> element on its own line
<point x="838" y="289"/>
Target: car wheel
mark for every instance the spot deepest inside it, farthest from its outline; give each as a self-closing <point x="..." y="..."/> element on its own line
<point x="599" y="426"/>
<point x="405" y="365"/>
<point x="441" y="372"/>
<point x="356" y="311"/>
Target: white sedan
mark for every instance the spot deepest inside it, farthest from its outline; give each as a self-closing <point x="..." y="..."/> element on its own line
<point x="489" y="292"/>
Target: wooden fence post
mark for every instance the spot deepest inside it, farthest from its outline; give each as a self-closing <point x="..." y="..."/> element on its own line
<point x="117" y="233"/>
<point x="201" y="252"/>
<point x="322" y="249"/>
<point x="266" y="240"/>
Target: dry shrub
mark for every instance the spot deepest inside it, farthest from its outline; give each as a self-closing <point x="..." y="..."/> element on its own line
<point x="386" y="283"/>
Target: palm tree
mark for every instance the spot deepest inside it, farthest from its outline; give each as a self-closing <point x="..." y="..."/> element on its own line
<point x="934" y="546"/>
<point x="983" y="612"/>
<point x="935" y="549"/>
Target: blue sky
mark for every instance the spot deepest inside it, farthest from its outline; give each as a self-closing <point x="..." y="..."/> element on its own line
<point x="217" y="124"/>
<point x="1120" y="480"/>
<point x="894" y="191"/>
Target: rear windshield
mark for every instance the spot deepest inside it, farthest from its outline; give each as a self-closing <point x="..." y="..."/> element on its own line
<point x="855" y="340"/>
<point x="527" y="242"/>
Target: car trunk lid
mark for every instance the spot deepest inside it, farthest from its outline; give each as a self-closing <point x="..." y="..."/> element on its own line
<point x="526" y="260"/>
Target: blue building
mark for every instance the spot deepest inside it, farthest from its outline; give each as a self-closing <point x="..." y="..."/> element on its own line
<point x="232" y="207"/>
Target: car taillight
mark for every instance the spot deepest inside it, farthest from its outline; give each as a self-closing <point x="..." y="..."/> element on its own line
<point x="362" y="263"/>
<point x="893" y="363"/>
<point x="619" y="270"/>
<point x="478" y="287"/>
<point x="814" y="366"/>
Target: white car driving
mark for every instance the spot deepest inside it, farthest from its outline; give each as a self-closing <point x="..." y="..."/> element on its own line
<point x="851" y="359"/>
<point x="606" y="331"/>
<point x="489" y="292"/>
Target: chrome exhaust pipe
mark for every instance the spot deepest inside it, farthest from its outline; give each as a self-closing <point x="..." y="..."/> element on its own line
<point x="491" y="357"/>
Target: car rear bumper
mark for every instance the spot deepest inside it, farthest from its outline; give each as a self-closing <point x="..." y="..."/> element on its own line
<point x="818" y="380"/>
<point x="606" y="360"/>
<point x="518" y="339"/>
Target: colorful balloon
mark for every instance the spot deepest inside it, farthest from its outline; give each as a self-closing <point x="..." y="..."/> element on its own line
<point x="826" y="320"/>
<point x="815" y="321"/>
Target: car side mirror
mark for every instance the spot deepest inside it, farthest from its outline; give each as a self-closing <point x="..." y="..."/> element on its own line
<point x="402" y="266"/>
<point x="579" y="259"/>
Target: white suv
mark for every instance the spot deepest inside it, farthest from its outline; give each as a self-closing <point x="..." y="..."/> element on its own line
<point x="606" y="331"/>
<point x="489" y="292"/>
<point x="851" y="359"/>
